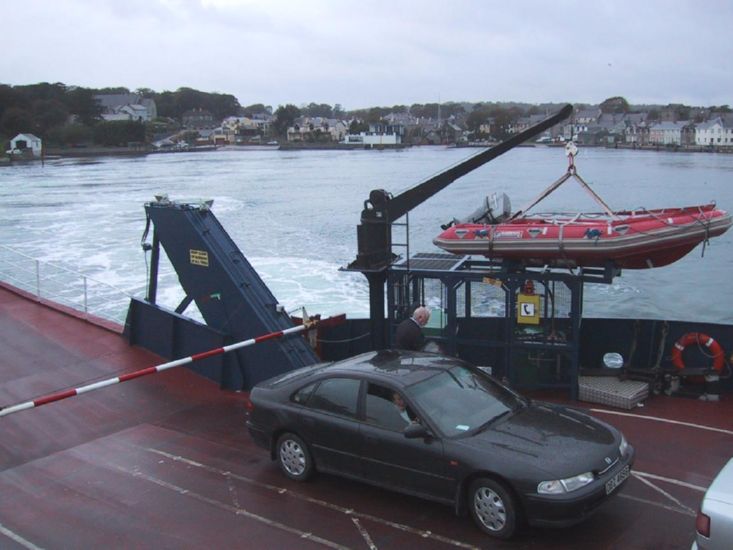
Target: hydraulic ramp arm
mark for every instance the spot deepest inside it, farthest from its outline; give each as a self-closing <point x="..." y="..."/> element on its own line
<point x="230" y="295"/>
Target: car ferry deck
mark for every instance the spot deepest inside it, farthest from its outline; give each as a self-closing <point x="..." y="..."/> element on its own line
<point x="165" y="461"/>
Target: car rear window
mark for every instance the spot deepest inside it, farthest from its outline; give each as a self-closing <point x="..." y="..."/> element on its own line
<point x="335" y="395"/>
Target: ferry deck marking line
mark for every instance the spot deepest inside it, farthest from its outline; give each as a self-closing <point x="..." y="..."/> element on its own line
<point x="233" y="492"/>
<point x="655" y="504"/>
<point x="364" y="534"/>
<point x="670" y="480"/>
<point x="680" y="508"/>
<point x="335" y="507"/>
<point x="664" y="493"/>
<point x="233" y="509"/>
<point x="17" y="538"/>
<point x="667" y="420"/>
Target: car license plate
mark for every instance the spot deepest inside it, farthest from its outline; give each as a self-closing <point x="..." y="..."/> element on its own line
<point x="617" y="480"/>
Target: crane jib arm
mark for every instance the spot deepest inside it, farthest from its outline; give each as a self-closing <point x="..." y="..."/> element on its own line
<point x="374" y="233"/>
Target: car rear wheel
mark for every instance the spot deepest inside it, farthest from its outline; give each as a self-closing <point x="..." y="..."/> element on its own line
<point x="493" y="508"/>
<point x="294" y="458"/>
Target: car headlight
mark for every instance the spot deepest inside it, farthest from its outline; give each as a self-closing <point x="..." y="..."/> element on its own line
<point x="623" y="446"/>
<point x="558" y="486"/>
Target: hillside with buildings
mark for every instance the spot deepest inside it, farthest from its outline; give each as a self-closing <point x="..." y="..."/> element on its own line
<point x="57" y="116"/>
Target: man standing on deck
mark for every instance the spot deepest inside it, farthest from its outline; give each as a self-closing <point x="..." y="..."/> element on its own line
<point x="409" y="332"/>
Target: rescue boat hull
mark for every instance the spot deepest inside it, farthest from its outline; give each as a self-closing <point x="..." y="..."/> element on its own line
<point x="628" y="239"/>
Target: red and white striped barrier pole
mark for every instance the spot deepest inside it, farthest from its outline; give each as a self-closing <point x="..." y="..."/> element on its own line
<point x="330" y="321"/>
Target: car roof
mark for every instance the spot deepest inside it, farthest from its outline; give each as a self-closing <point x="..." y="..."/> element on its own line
<point x="400" y="367"/>
<point x="396" y="367"/>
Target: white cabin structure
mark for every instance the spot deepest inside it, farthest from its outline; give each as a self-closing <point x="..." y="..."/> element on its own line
<point x="23" y="142"/>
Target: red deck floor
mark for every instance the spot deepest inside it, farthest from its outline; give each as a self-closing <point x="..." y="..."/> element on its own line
<point x="165" y="462"/>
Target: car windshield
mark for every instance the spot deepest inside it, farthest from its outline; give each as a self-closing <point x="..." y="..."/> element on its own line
<point x="460" y="400"/>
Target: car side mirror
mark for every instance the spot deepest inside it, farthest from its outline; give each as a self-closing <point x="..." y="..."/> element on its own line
<point x="415" y="430"/>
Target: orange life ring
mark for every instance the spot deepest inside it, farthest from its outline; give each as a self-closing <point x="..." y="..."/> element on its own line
<point x="699" y="339"/>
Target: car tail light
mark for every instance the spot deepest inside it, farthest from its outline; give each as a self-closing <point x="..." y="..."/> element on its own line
<point x="702" y="524"/>
<point x="248" y="405"/>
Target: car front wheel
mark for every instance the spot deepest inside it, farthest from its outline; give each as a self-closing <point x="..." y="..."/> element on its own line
<point x="493" y="508"/>
<point x="294" y="458"/>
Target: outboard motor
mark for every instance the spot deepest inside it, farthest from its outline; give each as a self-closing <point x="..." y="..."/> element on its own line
<point x="494" y="209"/>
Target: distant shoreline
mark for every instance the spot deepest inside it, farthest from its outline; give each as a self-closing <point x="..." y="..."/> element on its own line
<point x="91" y="152"/>
<point x="300" y="146"/>
<point x="83" y="152"/>
<point x="671" y="148"/>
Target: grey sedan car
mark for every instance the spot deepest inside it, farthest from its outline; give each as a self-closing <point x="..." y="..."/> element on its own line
<point x="441" y="429"/>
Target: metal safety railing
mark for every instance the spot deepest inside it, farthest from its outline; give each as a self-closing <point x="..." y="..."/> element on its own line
<point x="47" y="281"/>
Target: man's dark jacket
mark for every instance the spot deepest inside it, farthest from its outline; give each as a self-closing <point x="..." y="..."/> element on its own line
<point x="409" y="335"/>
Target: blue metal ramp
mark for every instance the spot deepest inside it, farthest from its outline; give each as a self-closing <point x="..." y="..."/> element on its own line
<point x="232" y="298"/>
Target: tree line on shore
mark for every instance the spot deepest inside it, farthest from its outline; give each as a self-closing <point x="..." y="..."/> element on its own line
<point x="67" y="115"/>
<point x="64" y="115"/>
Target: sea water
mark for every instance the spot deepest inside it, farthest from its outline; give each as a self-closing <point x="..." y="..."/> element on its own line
<point x="294" y="216"/>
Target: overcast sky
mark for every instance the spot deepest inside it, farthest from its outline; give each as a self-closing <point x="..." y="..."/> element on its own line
<point x="379" y="52"/>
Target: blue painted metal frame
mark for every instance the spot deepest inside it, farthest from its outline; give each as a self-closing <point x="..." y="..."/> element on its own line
<point x="230" y="295"/>
<point x="505" y="346"/>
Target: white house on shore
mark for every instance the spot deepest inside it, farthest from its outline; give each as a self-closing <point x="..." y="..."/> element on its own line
<point x="669" y="133"/>
<point x="26" y="142"/>
<point x="134" y="107"/>
<point x="364" y="138"/>
<point x="717" y="132"/>
<point x="379" y="134"/>
<point x="316" y="129"/>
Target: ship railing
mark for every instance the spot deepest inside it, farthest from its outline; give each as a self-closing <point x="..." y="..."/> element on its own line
<point x="48" y="281"/>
